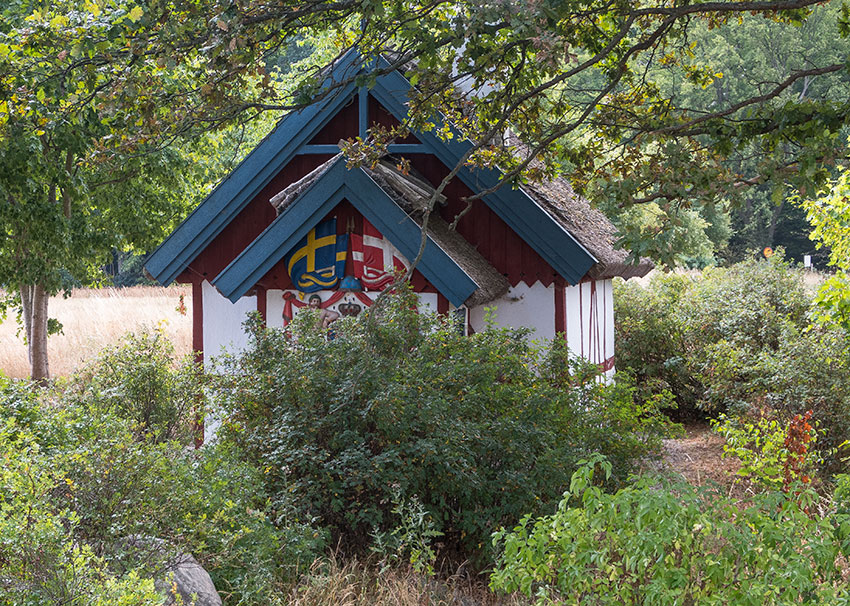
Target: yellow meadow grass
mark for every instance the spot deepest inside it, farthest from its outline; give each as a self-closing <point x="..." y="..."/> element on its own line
<point x="95" y="318"/>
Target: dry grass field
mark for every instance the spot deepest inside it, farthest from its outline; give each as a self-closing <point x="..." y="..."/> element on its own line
<point x="95" y="318"/>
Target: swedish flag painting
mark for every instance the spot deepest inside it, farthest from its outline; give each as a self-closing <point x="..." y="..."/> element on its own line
<point x="317" y="262"/>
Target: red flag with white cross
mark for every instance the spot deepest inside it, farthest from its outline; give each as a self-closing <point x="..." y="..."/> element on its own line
<point x="375" y="259"/>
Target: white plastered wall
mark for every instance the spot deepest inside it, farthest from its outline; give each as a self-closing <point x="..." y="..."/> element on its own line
<point x="531" y="306"/>
<point x="428" y="302"/>
<point x="274" y="308"/>
<point x="589" y="313"/>
<point x="222" y="324"/>
<point x="589" y="310"/>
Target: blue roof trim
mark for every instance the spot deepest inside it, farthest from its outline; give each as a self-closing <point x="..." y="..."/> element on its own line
<point x="391" y="220"/>
<point x="294" y="131"/>
<point x="531" y="222"/>
<point x="253" y="173"/>
<point x="280" y="236"/>
<point x="318" y="200"/>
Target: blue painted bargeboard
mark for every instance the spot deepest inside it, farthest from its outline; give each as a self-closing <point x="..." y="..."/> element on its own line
<point x="315" y="203"/>
<point x="295" y="130"/>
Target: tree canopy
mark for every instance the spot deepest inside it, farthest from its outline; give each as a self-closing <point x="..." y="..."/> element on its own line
<point x="85" y="168"/>
<point x="637" y="103"/>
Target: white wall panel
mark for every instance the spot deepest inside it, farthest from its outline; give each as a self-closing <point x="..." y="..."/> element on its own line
<point x="531" y="306"/>
<point x="223" y="323"/>
<point x="428" y="302"/>
<point x="274" y="308"/>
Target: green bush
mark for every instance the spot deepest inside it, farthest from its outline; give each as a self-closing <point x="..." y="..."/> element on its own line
<point x="738" y="341"/>
<point x="700" y="335"/>
<point x="42" y="559"/>
<point x="478" y="429"/>
<point x="657" y="542"/>
<point x="651" y="339"/>
<point x="811" y="371"/>
<point x="767" y="450"/>
<point x="746" y="304"/>
<point x="118" y="502"/>
<point x="140" y="379"/>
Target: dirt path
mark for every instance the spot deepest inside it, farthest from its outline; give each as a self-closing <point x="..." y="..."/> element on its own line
<point x="697" y="457"/>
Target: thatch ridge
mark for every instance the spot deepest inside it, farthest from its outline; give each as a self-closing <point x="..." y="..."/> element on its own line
<point x="491" y="284"/>
<point x="589" y="227"/>
<point x="288" y="194"/>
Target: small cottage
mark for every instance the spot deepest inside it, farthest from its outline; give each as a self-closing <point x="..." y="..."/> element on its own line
<point x="292" y="227"/>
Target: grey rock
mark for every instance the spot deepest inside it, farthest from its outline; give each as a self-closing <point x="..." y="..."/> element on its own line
<point x="189" y="579"/>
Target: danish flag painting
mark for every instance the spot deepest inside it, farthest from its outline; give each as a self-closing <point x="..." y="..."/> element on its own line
<point x="374" y="258"/>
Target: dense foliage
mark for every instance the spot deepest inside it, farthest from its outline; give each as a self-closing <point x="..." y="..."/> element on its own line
<point x="738" y="340"/>
<point x="480" y="429"/>
<point x="90" y="162"/>
<point x="136" y="380"/>
<point x="657" y="542"/>
<point x="94" y="505"/>
<point x="645" y="103"/>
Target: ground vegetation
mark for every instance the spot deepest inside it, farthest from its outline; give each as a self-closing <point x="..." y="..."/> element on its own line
<point x="476" y="430"/>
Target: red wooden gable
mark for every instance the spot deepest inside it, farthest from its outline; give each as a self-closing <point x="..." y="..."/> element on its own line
<point x="482" y="227"/>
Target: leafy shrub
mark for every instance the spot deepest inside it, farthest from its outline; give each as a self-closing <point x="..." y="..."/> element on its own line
<point x="657" y="542"/>
<point x="114" y="502"/>
<point x="811" y="371"/>
<point x="140" y="379"/>
<point x="477" y="428"/>
<point x="651" y="339"/>
<point x="699" y="335"/>
<point x="738" y="341"/>
<point x="42" y="560"/>
<point x="746" y="304"/>
<point x="768" y="449"/>
<point x="411" y="541"/>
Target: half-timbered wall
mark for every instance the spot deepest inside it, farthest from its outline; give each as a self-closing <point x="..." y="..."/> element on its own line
<point x="538" y="298"/>
<point x="588" y="316"/>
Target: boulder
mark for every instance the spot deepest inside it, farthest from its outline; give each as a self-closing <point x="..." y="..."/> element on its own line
<point x="189" y="579"/>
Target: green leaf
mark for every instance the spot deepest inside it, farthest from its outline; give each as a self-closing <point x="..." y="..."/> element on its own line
<point x="135" y="14"/>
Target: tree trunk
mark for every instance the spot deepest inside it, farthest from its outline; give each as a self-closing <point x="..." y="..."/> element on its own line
<point x="774" y="219"/>
<point x="37" y="341"/>
<point x="26" y="315"/>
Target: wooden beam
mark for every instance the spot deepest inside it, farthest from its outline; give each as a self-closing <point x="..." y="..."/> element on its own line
<point x="198" y="347"/>
<point x="560" y="309"/>
<point x="363" y="112"/>
<point x="315" y="149"/>
<point x="408" y="148"/>
<point x="262" y="303"/>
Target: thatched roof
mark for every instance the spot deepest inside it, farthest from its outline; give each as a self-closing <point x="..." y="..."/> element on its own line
<point x="589" y="226"/>
<point x="287" y="195"/>
<point x="412" y="194"/>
